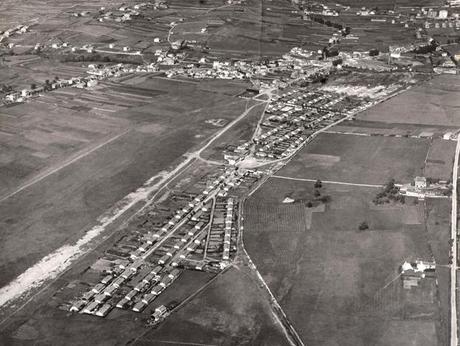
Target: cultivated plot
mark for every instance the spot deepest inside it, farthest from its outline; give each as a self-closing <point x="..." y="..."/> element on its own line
<point x="339" y="284"/>
<point x="359" y="159"/>
<point x="435" y="102"/>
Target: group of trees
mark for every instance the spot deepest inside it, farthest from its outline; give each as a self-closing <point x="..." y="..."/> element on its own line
<point x="363" y="226"/>
<point x="46" y="87"/>
<point x="430" y="48"/>
<point x="318" y="196"/>
<point x="319" y="19"/>
<point x="6" y="89"/>
<point x="96" y="57"/>
<point x="389" y="193"/>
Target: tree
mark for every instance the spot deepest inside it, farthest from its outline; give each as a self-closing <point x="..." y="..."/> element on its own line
<point x="363" y="226"/>
<point x="373" y="52"/>
<point x="317" y="193"/>
<point x="309" y="204"/>
<point x="325" y="199"/>
<point x="318" y="184"/>
<point x="47" y="85"/>
<point x="6" y="88"/>
<point x="33" y="86"/>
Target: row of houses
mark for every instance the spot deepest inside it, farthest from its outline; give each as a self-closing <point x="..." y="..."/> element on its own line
<point x="222" y="233"/>
<point x="17" y="30"/>
<point x="126" y="13"/>
<point x="293" y="117"/>
<point x="156" y="261"/>
<point x="95" y="74"/>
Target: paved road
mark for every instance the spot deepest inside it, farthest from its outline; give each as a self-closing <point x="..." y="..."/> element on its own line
<point x="453" y="268"/>
<point x="244" y="263"/>
<point x="327" y="181"/>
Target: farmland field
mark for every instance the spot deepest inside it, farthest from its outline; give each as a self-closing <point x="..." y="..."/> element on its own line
<point x="376" y="128"/>
<point x="228" y="312"/>
<point x="359" y="159"/>
<point x="437" y="213"/>
<point x="143" y="135"/>
<point x="434" y="102"/>
<point x="117" y="203"/>
<point x="53" y="326"/>
<point x="439" y="160"/>
<point x="339" y="285"/>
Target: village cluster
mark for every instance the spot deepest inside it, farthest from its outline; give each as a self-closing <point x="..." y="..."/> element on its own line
<point x="200" y="235"/>
<point x="123" y="13"/>
<point x="126" y="13"/>
<point x="296" y="115"/>
<point x="95" y="74"/>
<point x="17" y="30"/>
<point x="200" y="231"/>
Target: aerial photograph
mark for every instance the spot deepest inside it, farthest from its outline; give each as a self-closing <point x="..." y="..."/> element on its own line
<point x="229" y="172"/>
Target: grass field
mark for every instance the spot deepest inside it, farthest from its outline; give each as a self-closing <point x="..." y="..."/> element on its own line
<point x="431" y="103"/>
<point x="246" y="35"/>
<point x="228" y="312"/>
<point x="339" y="285"/>
<point x="153" y="134"/>
<point x="359" y="159"/>
<point x="390" y="129"/>
<point x="241" y="132"/>
<point x="51" y="326"/>
<point x="437" y="213"/>
<point x="440" y="158"/>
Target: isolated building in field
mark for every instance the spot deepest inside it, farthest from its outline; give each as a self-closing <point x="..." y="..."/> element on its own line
<point x="420" y="183"/>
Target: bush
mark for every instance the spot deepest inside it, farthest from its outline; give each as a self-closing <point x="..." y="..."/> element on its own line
<point x="325" y="199"/>
<point x="390" y="193"/>
<point x="363" y="226"/>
